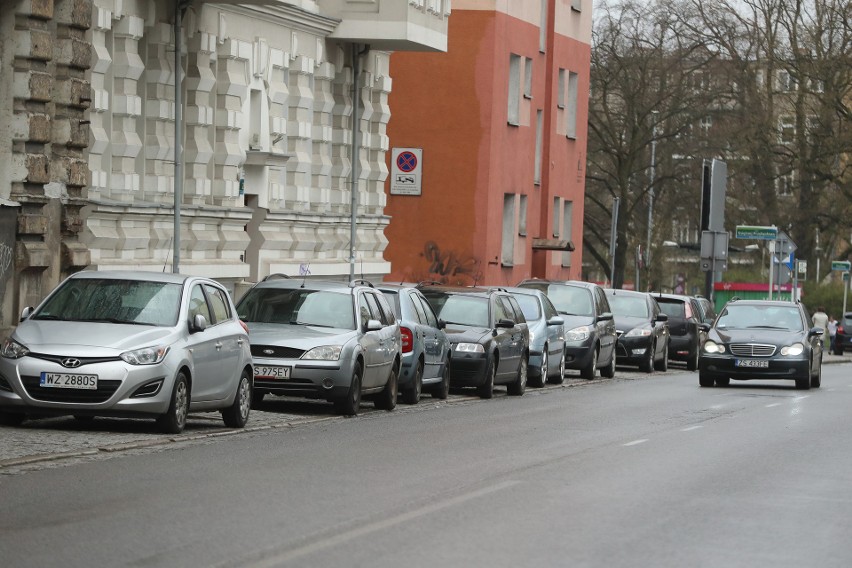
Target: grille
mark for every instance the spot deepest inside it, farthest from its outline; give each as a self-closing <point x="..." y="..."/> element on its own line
<point x="83" y="360"/>
<point x="277" y="352"/>
<point x="752" y="349"/>
<point x="106" y="388"/>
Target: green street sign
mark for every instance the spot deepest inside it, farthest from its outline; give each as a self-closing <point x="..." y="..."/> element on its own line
<point x="756" y="232"/>
<point x="844" y="265"/>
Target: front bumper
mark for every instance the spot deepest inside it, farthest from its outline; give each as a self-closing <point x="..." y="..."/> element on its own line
<point x="632" y="349"/>
<point x="468" y="369"/>
<point x="682" y="347"/>
<point x="327" y="380"/>
<point x="779" y="368"/>
<point x="578" y="354"/>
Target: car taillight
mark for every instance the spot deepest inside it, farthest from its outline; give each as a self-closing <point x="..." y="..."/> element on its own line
<point x="688" y="309"/>
<point x="407" y="339"/>
<point x="245" y="327"/>
<point x="840" y="330"/>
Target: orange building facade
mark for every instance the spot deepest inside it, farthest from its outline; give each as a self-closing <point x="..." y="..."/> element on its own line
<point x="499" y="127"/>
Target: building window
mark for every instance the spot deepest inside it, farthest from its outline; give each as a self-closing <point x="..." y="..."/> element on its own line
<point x="706" y="124"/>
<point x="539" y="136"/>
<point x="567" y="213"/>
<point x="784" y="185"/>
<point x="577" y="5"/>
<point x="522" y="215"/>
<point x="507" y="253"/>
<point x="560" y="89"/>
<point x="528" y="77"/>
<point x="542" y="28"/>
<point x="557" y="219"/>
<point x="786" y="129"/>
<point x="571" y="105"/>
<point x="514" y="89"/>
<point x="786" y="81"/>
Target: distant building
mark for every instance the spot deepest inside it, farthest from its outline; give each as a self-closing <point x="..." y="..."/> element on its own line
<point x="87" y="127"/>
<point x="498" y="129"/>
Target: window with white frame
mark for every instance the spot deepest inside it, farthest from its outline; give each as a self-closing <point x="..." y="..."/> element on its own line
<point x="557" y="219"/>
<point x="567" y="216"/>
<point x="786" y="81"/>
<point x="706" y="124"/>
<point x="571" y="105"/>
<point x="514" y="110"/>
<point x="528" y="77"/>
<point x="786" y="129"/>
<point x="507" y="252"/>
<point x="522" y="215"/>
<point x="560" y="89"/>
<point x="539" y="137"/>
<point x="542" y="28"/>
<point x="784" y="185"/>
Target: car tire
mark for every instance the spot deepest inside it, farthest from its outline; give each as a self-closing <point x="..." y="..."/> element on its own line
<point x="816" y="380"/>
<point x="838" y="350"/>
<point x="704" y="380"/>
<point x="350" y="404"/>
<point x="487" y="390"/>
<point x="559" y="378"/>
<point x="608" y="372"/>
<point x="386" y="400"/>
<point x="174" y="420"/>
<point x="411" y="395"/>
<point x="647" y="364"/>
<point x="692" y="362"/>
<point x="257" y="399"/>
<point x="12" y="418"/>
<point x="723" y="382"/>
<point x="663" y="364"/>
<point x="804" y="383"/>
<point x="442" y="391"/>
<point x="519" y="386"/>
<point x="237" y="415"/>
<point x="588" y="372"/>
<point x="541" y="380"/>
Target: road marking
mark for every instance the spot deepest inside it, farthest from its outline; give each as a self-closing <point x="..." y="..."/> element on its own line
<point x="688" y="428"/>
<point x="798" y="398"/>
<point x="635" y="442"/>
<point x="773" y="404"/>
<point x="324" y="543"/>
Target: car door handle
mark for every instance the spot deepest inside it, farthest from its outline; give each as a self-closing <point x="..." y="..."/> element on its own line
<point x="218" y="346"/>
<point x="240" y="341"/>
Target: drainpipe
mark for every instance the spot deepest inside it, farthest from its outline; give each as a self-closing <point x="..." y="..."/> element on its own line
<point x="356" y="151"/>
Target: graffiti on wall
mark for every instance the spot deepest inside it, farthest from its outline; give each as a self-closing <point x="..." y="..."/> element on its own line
<point x="448" y="266"/>
<point x="8" y="222"/>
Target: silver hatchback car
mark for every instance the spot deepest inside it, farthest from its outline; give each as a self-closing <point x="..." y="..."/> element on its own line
<point x="129" y="344"/>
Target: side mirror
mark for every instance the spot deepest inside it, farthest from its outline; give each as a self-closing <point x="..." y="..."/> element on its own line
<point x="441" y="324"/>
<point x="373" y="325"/>
<point x="606" y="316"/>
<point x="815" y="331"/>
<point x="505" y="323"/>
<point x="27" y="312"/>
<point x="199" y="323"/>
<point x="704" y="326"/>
<point x="662" y="317"/>
<point x="555" y="320"/>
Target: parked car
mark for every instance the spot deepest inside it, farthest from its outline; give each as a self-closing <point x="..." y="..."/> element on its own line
<point x="685" y="333"/>
<point x="762" y="339"/>
<point x="843" y="339"/>
<point x="642" y="329"/>
<point x="547" y="336"/>
<point x="128" y="344"/>
<point x="705" y="310"/>
<point x="425" y="347"/>
<point x="590" y="337"/>
<point x="325" y="340"/>
<point x="488" y="334"/>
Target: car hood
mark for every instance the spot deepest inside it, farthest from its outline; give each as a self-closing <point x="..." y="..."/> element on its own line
<point x="626" y="323"/>
<point x="55" y="337"/>
<point x="300" y="336"/>
<point x="464" y="334"/>
<point x="773" y="336"/>
<point x="572" y="321"/>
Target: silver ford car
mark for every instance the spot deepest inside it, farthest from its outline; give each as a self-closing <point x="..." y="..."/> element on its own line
<point x="129" y="344"/>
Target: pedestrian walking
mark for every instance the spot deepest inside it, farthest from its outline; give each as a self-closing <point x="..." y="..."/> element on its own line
<point x="832" y="334"/>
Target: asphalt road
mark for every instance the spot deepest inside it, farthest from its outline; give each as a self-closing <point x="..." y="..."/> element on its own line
<point x="649" y="472"/>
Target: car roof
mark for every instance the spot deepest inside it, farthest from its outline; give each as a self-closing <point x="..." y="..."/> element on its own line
<point x="578" y="283"/>
<point x="776" y="303"/>
<point x="525" y="291"/>
<point x="680" y="297"/>
<point x="149" y="276"/>
<point x="620" y="292"/>
<point x="293" y="283"/>
<point x="451" y="289"/>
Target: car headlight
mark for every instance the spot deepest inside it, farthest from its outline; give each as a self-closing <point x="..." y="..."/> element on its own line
<point x="146" y="355"/>
<point x="578" y="333"/>
<point x="324" y="353"/>
<point x="470" y="348"/>
<point x="13" y="350"/>
<point x="711" y="346"/>
<point x="638" y="332"/>
<point x="795" y="349"/>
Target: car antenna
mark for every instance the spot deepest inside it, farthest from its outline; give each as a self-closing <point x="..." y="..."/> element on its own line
<point x="305" y="275"/>
<point x="361" y="260"/>
<point x="168" y="253"/>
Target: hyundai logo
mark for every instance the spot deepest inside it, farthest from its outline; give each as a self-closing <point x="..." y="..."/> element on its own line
<point x="268" y="351"/>
<point x="71" y="363"/>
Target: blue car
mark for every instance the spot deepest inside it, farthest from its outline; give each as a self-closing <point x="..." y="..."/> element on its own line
<point x="425" y="347"/>
<point x="547" y="336"/>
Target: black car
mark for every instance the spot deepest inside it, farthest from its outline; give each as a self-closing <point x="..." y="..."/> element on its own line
<point x="488" y="335"/>
<point x="643" y="332"/>
<point x="843" y="339"/>
<point x="590" y="337"/>
<point x="685" y="329"/>
<point x="762" y="339"/>
<point x="705" y="309"/>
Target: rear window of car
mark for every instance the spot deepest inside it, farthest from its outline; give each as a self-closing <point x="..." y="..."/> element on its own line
<point x="459" y="309"/>
<point x="529" y="305"/>
<point x="672" y="308"/>
<point x="298" y="307"/>
<point x="629" y="306"/>
<point x="572" y="300"/>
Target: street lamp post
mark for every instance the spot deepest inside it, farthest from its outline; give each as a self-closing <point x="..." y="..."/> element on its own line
<point x="650" y="197"/>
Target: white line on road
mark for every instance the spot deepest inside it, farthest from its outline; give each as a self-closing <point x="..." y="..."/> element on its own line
<point x="635" y="442"/>
<point x="688" y="428"/>
<point x="310" y="548"/>
<point x="798" y="398"/>
<point x="773" y="404"/>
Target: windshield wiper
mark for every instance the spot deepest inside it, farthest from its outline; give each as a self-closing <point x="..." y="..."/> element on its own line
<point x="49" y="317"/>
<point x="114" y="320"/>
<point x="766" y="327"/>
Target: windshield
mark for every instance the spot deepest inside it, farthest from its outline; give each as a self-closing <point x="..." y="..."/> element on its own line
<point x="630" y="306"/>
<point x="529" y="305"/>
<point x="571" y="300"/>
<point x="115" y="301"/>
<point x="460" y="309"/>
<point x="298" y="307"/>
<point x="755" y="317"/>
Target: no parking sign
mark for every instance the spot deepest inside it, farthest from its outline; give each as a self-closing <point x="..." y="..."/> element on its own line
<point x="406" y="171"/>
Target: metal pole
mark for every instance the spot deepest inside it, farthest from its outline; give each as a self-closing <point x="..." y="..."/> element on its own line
<point x="773" y="245"/>
<point x="651" y="195"/>
<point x="844" y="278"/>
<point x="613" y="237"/>
<point x="178" y="171"/>
<point x="356" y="150"/>
<point x="817" y="250"/>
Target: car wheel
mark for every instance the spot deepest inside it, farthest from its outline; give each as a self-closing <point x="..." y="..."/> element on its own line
<point x="704" y="380"/>
<point x="541" y="380"/>
<point x="518" y="387"/>
<point x="692" y="362"/>
<point x="663" y="364"/>
<point x="487" y="390"/>
<point x="174" y="420"/>
<point x="805" y="383"/>
<point x="723" y="382"/>
<point x="588" y="371"/>
<point x="838" y="350"/>
<point x="559" y="377"/>
<point x="411" y="395"/>
<point x="647" y="364"/>
<point x="12" y="418"/>
<point x="816" y="380"/>
<point x="442" y="391"/>
<point x="257" y="398"/>
<point x="387" y="398"/>
<point x="350" y="404"/>
<point x="236" y="415"/>
<point x="608" y="372"/>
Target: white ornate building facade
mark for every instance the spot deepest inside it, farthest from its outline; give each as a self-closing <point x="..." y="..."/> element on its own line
<point x="277" y="98"/>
